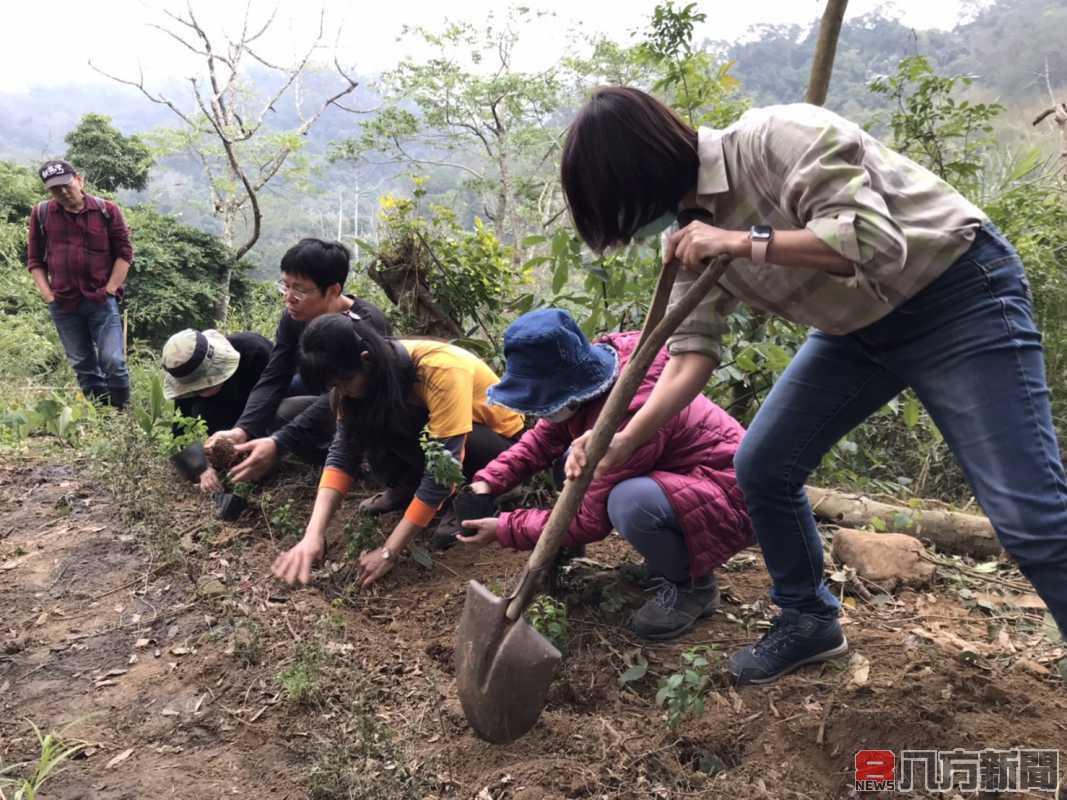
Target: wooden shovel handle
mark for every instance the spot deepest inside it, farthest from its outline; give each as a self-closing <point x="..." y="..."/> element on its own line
<point x="658" y="327"/>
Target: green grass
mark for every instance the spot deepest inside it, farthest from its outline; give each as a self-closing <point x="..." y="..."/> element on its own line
<point x="54" y="751"/>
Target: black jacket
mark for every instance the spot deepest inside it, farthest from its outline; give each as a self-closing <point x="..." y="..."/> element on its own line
<point x="273" y="385"/>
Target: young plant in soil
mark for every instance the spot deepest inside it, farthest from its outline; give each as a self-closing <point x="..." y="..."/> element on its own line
<point x="281" y="517"/>
<point x="361" y="533"/>
<point x="548" y="617"/>
<point x="53" y="752"/>
<point x="682" y="694"/>
<point x="300" y="680"/>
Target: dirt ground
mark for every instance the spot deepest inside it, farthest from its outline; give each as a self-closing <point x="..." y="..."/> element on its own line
<point x="198" y="676"/>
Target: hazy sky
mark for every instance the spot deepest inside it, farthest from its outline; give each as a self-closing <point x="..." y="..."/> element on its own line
<point x="49" y="42"/>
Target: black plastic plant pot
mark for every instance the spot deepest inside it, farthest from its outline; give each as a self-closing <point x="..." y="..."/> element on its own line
<point x="468" y="505"/>
<point x="190" y="462"/>
<point x="229" y="506"/>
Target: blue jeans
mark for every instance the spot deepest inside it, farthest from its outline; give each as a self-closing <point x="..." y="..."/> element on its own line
<point x="967" y="345"/>
<point x="642" y="514"/>
<point x="91" y="335"/>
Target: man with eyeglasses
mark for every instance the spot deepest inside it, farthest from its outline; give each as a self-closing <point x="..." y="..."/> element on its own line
<point x="280" y="416"/>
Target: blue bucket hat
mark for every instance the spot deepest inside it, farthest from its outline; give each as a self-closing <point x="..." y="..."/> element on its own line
<point x="551" y="364"/>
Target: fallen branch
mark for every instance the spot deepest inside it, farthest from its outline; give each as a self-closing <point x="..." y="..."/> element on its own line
<point x="950" y="531"/>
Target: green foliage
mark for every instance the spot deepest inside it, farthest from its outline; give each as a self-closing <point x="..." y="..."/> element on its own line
<point x="467" y="110"/>
<point x="548" y="617"/>
<point x="440" y="463"/>
<point x="281" y="516"/>
<point x="300" y="680"/>
<point x="681" y="694"/>
<point x="636" y="669"/>
<point x="468" y="273"/>
<point x="108" y="160"/>
<point x="20" y="190"/>
<point x="174" y="281"/>
<point x="608" y="292"/>
<point x="55" y="415"/>
<point x="257" y="309"/>
<point x="361" y="534"/>
<point x="185" y="431"/>
<point x="932" y="125"/>
<point x="160" y="420"/>
<point x="703" y="92"/>
<point x="54" y="751"/>
<point x="29" y="345"/>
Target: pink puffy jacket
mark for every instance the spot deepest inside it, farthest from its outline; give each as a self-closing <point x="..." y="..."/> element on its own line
<point x="691" y="458"/>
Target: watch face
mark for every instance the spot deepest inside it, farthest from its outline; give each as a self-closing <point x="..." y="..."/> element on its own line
<point x="762" y="232"/>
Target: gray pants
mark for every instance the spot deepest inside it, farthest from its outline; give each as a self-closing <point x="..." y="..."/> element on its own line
<point x="314" y="450"/>
<point x="642" y="514"/>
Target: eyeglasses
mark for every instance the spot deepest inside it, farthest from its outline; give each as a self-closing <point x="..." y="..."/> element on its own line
<point x="297" y="294"/>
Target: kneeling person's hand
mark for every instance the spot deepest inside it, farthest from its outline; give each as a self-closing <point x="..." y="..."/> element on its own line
<point x="260" y="456"/>
<point x="295" y="563"/>
<point x="483" y="531"/>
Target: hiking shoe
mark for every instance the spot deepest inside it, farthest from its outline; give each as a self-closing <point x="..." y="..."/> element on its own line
<point x="392" y="499"/>
<point x="444" y="535"/>
<point x="794" y="639"/>
<point x="675" y="608"/>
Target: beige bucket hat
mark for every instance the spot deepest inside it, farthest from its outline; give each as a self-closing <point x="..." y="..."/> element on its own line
<point x="194" y="361"/>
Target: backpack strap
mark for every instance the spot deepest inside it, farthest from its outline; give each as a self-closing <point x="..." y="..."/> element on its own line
<point x="42" y="217"/>
<point x="101" y="205"/>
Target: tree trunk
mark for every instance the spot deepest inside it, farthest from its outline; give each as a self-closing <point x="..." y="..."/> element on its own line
<point x="222" y="300"/>
<point x="823" y="63"/>
<point x="950" y="531"/>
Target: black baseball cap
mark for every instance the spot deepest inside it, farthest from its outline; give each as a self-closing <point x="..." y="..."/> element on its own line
<point x="56" y="173"/>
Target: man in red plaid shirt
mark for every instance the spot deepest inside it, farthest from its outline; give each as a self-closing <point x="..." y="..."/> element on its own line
<point x="79" y="254"/>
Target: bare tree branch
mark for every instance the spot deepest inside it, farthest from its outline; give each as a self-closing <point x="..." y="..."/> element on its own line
<point x="139" y="84"/>
<point x="431" y="163"/>
<point x="221" y="111"/>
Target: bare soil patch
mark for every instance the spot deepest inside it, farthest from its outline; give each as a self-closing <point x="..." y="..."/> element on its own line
<point x="224" y="683"/>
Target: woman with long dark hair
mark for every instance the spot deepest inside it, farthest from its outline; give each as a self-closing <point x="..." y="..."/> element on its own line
<point x="907" y="285"/>
<point x="386" y="392"/>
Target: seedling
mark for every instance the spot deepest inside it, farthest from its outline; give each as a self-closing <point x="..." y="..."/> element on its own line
<point x="548" y="617"/>
<point x="301" y="679"/>
<point x="331" y="776"/>
<point x="53" y="752"/>
<point x="361" y="533"/>
<point x="682" y="693"/>
<point x="440" y="463"/>
<point x="280" y="517"/>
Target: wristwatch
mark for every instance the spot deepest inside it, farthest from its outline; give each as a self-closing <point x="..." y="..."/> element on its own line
<point x="387" y="554"/>
<point x="760" y="236"/>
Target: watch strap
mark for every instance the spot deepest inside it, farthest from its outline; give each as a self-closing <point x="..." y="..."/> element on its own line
<point x="759" y="244"/>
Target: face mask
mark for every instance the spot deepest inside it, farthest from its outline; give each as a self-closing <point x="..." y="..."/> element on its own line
<point x="562" y="415"/>
<point x="655" y="227"/>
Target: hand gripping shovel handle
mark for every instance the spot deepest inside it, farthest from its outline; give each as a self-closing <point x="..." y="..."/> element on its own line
<point x="658" y="327"/>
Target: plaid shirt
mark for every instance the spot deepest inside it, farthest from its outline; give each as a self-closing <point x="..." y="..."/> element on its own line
<point x="801" y="166"/>
<point x="82" y="250"/>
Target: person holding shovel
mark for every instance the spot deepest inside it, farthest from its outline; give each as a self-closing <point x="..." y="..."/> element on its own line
<point x="906" y="283"/>
<point x="675" y="498"/>
<point x="386" y="393"/>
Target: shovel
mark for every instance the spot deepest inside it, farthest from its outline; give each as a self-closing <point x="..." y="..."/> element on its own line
<point x="503" y="666"/>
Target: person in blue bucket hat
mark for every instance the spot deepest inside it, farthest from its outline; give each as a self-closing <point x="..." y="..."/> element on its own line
<point x="548" y="343"/>
<point x="676" y="499"/>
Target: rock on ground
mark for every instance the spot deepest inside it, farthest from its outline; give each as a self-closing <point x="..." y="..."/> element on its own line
<point x="887" y="559"/>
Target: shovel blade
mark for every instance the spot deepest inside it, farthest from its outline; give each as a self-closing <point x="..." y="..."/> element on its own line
<point x="503" y="668"/>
